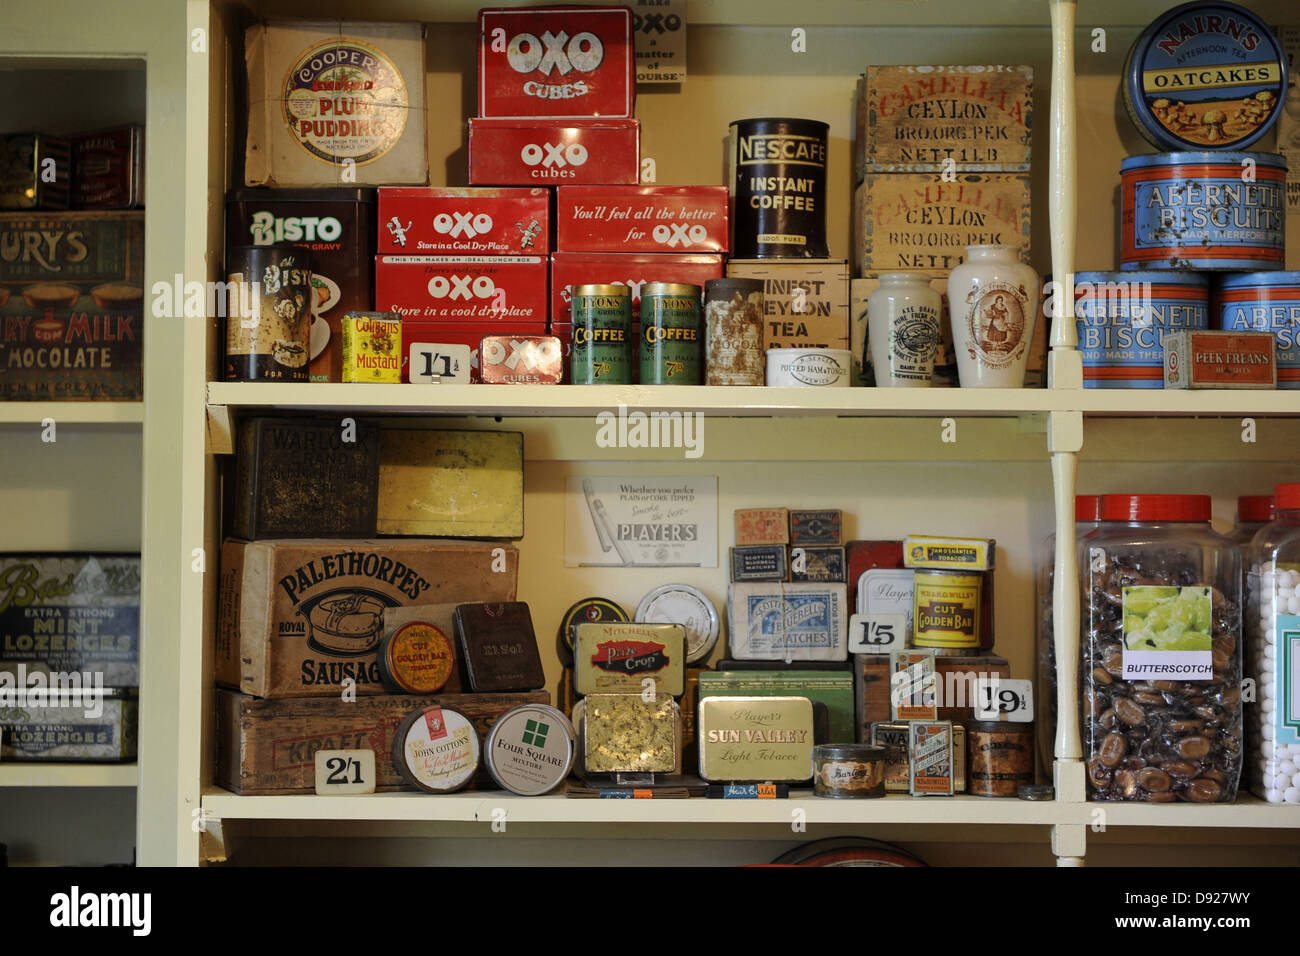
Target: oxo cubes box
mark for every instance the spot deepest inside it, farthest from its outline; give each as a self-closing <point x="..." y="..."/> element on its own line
<point x="488" y="289"/>
<point x="520" y="152"/>
<point x="641" y="218"/>
<point x="632" y="269"/>
<point x="556" y="61"/>
<point x="423" y="221"/>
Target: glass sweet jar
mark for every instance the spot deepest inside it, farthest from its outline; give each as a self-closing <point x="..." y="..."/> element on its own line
<point x="1161" y="668"/>
<point x="993" y="304"/>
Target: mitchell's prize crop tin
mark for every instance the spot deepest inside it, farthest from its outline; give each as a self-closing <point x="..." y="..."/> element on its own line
<point x="602" y="325"/>
<point x="1264" y="302"/>
<point x="1203" y="210"/>
<point x="1205" y="76"/>
<point x="670" y="328"/>
<point x="617" y="658"/>
<point x="1123" y="317"/>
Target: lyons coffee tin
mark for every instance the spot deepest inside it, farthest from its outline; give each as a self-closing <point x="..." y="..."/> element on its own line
<point x="778" y="189"/>
<point x="670" y="333"/>
<point x="1203" y="211"/>
<point x="268" y="322"/>
<point x="530" y="749"/>
<point x="1264" y="302"/>
<point x="602" y="335"/>
<point x="1122" y="318"/>
<point x="1205" y="76"/>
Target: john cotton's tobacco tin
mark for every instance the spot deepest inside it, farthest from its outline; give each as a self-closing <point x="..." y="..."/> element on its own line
<point x="755" y="739"/>
<point x="602" y="335"/>
<point x="687" y="606"/>
<point x="670" y="332"/>
<point x="530" y="749"/>
<point x="436" y="749"/>
<point x="613" y="658"/>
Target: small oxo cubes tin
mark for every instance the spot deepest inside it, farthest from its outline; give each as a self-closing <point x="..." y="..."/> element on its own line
<point x="521" y="360"/>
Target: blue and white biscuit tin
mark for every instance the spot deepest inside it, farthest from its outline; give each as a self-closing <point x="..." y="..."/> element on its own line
<point x="1264" y="302"/>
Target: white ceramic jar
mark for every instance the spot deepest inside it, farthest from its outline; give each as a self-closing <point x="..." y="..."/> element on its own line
<point x="993" y="301"/>
<point x="903" y="329"/>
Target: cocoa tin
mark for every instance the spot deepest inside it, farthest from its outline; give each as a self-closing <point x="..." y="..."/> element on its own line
<point x="1264" y="302"/>
<point x="521" y="360"/>
<point x="302" y="477"/>
<point x="632" y="269"/>
<point x="436" y="749"/>
<point x="641" y="218"/>
<point x="778" y="188"/>
<point x="508" y="291"/>
<point x="416" y="658"/>
<point x="1203" y="210"/>
<point x="820" y="528"/>
<point x="930" y="756"/>
<point x="755" y="739"/>
<point x="1220" y="360"/>
<point x="616" y="658"/>
<point x="733" y="336"/>
<point x="34" y="171"/>
<point x="688" y="606"/>
<point x="590" y="610"/>
<point x="559" y="61"/>
<point x="372" y="347"/>
<point x="498" y="648"/>
<point x="449" y="220"/>
<point x="530" y="749"/>
<point x="268" y="334"/>
<point x="108" y="168"/>
<point x="625" y="733"/>
<point x="550" y="152"/>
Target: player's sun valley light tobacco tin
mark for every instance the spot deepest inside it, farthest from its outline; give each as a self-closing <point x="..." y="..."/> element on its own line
<point x="755" y="739"/>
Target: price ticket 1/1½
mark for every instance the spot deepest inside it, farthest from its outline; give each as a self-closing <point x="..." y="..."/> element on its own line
<point x="876" y="633"/>
<point x="345" y="772"/>
<point x="998" y="698"/>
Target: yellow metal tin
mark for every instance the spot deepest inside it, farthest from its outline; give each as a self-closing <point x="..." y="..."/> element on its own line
<point x="372" y="347"/>
<point x="613" y="657"/>
<point x="755" y="739"/>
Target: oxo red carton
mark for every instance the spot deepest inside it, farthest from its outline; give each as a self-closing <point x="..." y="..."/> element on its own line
<point x="641" y="218"/>
<point x="419" y="220"/>
<point x="469" y="334"/>
<point x="632" y="269"/>
<point x="556" y="61"/>
<point x="517" y="152"/>
<point x="490" y="289"/>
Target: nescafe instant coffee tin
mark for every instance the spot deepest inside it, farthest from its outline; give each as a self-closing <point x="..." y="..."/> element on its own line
<point x="268" y="324"/>
<point x="602" y="335"/>
<point x="670" y="330"/>
<point x="778" y="189"/>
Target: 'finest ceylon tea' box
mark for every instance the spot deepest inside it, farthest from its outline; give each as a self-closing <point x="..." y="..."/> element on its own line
<point x="755" y="739"/>
<point x="782" y="622"/>
<point x="805" y="301"/>
<point x="298" y="618"/>
<point x="615" y="658"/>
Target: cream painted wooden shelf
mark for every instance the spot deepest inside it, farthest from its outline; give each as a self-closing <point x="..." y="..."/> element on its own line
<point x="72" y="413"/>
<point x="68" y="775"/>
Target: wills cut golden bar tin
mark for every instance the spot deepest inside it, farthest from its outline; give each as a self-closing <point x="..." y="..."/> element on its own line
<point x="615" y="658"/>
<point x="755" y="739"/>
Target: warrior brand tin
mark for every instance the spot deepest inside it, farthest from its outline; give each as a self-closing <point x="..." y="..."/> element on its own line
<point x="268" y="328"/>
<point x="930" y="753"/>
<point x="436" y="749"/>
<point x="687" y="606"/>
<point x="616" y="658"/>
<point x="1264" y="302"/>
<point x="602" y="324"/>
<point x="946" y="610"/>
<point x="755" y="739"/>
<point x="778" y="189"/>
<point x="733" y="340"/>
<point x="1203" y="211"/>
<point x="670" y="332"/>
<point x="530" y="750"/>
<point x="1205" y="76"/>
<point x="1122" y="320"/>
<point x="592" y="610"/>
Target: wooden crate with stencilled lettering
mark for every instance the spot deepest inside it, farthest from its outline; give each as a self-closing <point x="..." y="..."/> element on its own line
<point x="805" y="301"/>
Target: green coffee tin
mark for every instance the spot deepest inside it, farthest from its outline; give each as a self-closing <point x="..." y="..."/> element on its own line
<point x="602" y="335"/>
<point x="670" y="334"/>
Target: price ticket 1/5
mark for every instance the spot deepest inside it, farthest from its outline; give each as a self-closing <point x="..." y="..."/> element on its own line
<point x="998" y="698"/>
<point x="876" y="633"/>
<point x="345" y="772"/>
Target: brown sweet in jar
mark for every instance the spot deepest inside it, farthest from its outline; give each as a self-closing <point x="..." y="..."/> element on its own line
<point x="1154" y="779"/>
<point x="1112" y="750"/>
<point x="1204" y="790"/>
<point x="1129" y="712"/>
<point x="1193" y="748"/>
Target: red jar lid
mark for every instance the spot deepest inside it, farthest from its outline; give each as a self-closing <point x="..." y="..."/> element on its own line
<point x="1287" y="497"/>
<point x="1255" y="508"/>
<point x="1087" y="508"/>
<point x="1155" y="507"/>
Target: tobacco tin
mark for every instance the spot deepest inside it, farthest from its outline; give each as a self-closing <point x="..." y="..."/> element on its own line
<point x="623" y="733"/>
<point x="893" y="735"/>
<point x="930" y="749"/>
<point x="687" y="606"/>
<point x="912" y="681"/>
<point x="590" y="610"/>
<point x="530" y="749"/>
<point x="498" y="647"/>
<point x="755" y="739"/>
<point x="614" y="658"/>
<point x="436" y="749"/>
<point x="416" y="658"/>
<point x="953" y="554"/>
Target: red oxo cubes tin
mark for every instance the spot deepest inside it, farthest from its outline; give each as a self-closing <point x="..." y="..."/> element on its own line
<point x="520" y="360"/>
<point x="556" y="61"/>
<point x="516" y="152"/>
<point x="641" y="218"/>
<point x="419" y="220"/>
<point x="493" y="289"/>
<point x="623" y="268"/>
<point x="468" y="334"/>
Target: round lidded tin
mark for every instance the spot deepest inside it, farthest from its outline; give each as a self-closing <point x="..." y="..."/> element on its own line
<point x="592" y="610"/>
<point x="670" y="332"/>
<point x="946" y="610"/>
<point x="733" y="339"/>
<point x="436" y="749"/>
<point x="1123" y="317"/>
<point x="1264" y="302"/>
<point x="1036" y="791"/>
<point x="602" y="335"/>
<point x="1205" y="76"/>
<point x="1001" y="757"/>
<point x="687" y="606"/>
<point x="530" y="749"/>
<point x="778" y="189"/>
<point x="417" y="658"/>
<point x="1203" y="210"/>
<point x="849" y="770"/>
<point x="268" y="323"/>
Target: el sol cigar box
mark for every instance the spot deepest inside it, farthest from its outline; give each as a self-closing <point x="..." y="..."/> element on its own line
<point x="954" y="685"/>
<point x="269" y="746"/>
<point x="330" y="97"/>
<point x="296" y="477"/>
<point x="1220" y="359"/>
<point x="463" y="289"/>
<point x="498" y="647"/>
<point x="632" y="269"/>
<point x="560" y="61"/>
<point x="919" y="222"/>
<point x="71" y="613"/>
<point x="450" y="220"/>
<point x="298" y="618"/>
<point x="762" y="526"/>
<point x="641" y="218"/>
<point x="796" y="621"/>
<point x="548" y="152"/>
<point x="616" y="658"/>
<point x="833" y="688"/>
<point x="458" y="484"/>
<point x="755" y="739"/>
<point x="915" y="118"/>
<point x="72" y="306"/>
<point x="805" y="301"/>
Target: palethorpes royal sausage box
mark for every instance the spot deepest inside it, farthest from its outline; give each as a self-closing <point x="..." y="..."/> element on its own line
<point x="488" y="289"/>
<point x="459" y="221"/>
<point x="641" y="218"/>
<point x="298" y="618"/>
<point x="561" y="61"/>
<point x="550" y="152"/>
